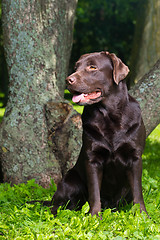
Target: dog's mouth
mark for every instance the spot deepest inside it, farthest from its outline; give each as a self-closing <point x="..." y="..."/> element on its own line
<point x="85" y="97"/>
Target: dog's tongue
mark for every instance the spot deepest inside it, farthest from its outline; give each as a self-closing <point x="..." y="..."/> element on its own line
<point x="83" y="97"/>
<point x="78" y="98"/>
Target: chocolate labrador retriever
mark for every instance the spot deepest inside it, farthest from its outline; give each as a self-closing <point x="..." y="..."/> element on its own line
<point x="109" y="168"/>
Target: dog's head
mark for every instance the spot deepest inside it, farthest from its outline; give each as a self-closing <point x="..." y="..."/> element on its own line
<point x="95" y="76"/>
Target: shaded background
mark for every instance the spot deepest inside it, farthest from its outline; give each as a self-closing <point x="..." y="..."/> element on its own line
<point x="104" y="25"/>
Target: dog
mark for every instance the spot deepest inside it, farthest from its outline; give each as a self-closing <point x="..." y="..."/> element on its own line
<point x="108" y="171"/>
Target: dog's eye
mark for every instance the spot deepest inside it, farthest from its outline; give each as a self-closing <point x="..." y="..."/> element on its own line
<point x="92" y="67"/>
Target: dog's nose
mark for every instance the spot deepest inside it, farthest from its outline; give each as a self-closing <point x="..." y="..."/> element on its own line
<point x="71" y="79"/>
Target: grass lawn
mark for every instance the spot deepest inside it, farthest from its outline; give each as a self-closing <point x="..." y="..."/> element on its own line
<point x="19" y="220"/>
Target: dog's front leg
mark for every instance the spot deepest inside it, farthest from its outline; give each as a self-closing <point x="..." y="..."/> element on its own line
<point x="134" y="176"/>
<point x="94" y="179"/>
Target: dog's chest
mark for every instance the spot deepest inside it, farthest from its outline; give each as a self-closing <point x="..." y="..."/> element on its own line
<point x="99" y="127"/>
<point x="108" y="138"/>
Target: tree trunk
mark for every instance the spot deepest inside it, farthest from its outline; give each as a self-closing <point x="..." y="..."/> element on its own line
<point x="146" y="47"/>
<point x="37" y="41"/>
<point x="147" y="93"/>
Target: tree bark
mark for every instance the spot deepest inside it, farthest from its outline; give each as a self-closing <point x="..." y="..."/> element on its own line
<point x="147" y="93"/>
<point x="146" y="46"/>
<point x="37" y="41"/>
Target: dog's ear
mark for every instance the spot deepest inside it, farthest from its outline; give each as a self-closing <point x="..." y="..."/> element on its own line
<point x="120" y="70"/>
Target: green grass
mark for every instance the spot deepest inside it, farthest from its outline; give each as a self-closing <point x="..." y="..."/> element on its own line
<point x="68" y="96"/>
<point x="151" y="156"/>
<point x="2" y="111"/>
<point x="20" y="220"/>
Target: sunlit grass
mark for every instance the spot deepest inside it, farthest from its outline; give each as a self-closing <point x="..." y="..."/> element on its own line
<point x="151" y="156"/>
<point x="78" y="108"/>
<point x="68" y="96"/>
<point x="20" y="220"/>
<point x="2" y="111"/>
